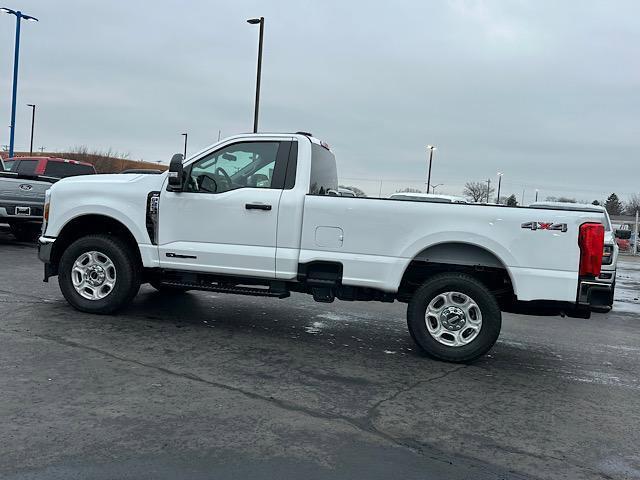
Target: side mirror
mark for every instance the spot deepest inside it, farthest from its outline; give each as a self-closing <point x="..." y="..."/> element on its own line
<point x="176" y="173"/>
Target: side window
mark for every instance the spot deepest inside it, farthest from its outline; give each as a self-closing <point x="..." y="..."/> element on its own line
<point x="247" y="164"/>
<point x="27" y="167"/>
<point x="324" y="175"/>
<point x="59" y="169"/>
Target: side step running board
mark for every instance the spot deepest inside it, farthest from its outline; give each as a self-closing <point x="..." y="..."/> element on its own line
<point x="225" y="288"/>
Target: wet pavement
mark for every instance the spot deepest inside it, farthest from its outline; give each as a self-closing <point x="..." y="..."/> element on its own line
<point x="206" y="385"/>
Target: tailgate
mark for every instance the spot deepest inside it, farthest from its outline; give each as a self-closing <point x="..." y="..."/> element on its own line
<point x="22" y="196"/>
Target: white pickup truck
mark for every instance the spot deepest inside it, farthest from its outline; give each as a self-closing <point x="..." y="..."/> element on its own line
<point x="259" y="214"/>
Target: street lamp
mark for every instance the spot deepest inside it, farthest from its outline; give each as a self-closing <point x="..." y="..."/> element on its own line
<point x="499" y="184"/>
<point x="185" y="135"/>
<point x="33" y="121"/>
<point x="431" y="148"/>
<point x="19" y="16"/>
<point x="433" y="187"/>
<point x="256" y="21"/>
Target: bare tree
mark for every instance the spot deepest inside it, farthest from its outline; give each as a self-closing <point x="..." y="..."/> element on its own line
<point x="477" y="191"/>
<point x="633" y="204"/>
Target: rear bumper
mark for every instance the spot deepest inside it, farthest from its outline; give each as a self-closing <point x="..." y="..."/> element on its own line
<point x="596" y="294"/>
<point x="9" y="212"/>
<point x="45" y="248"/>
<point x="593" y="296"/>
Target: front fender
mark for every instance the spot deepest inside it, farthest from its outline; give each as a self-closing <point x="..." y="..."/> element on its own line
<point x="58" y="222"/>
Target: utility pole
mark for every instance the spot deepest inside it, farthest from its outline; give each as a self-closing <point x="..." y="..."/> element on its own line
<point x="499" y="184"/>
<point x="42" y="149"/>
<point x="536" y="194"/>
<point x="431" y="148"/>
<point x="488" y="189"/>
<point x="260" y="21"/>
<point x="33" y="121"/>
<point x="635" y="243"/>
<point x="185" y="135"/>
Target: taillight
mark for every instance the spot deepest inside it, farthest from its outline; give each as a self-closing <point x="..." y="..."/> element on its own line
<point x="607" y="255"/>
<point x="591" y="241"/>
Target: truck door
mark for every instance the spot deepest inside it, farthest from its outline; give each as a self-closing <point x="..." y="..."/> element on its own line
<point x="225" y="219"/>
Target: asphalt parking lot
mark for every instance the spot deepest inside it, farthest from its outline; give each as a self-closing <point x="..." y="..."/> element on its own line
<point x="207" y="385"/>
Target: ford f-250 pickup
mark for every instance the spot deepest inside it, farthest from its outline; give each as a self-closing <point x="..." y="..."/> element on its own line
<point x="260" y="215"/>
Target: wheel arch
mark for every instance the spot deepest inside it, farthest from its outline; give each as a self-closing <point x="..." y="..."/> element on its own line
<point x="459" y="256"/>
<point x="88" y="224"/>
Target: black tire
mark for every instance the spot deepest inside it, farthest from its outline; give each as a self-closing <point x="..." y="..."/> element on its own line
<point x="25" y="232"/>
<point x="127" y="270"/>
<point x="483" y="298"/>
<point x="168" y="289"/>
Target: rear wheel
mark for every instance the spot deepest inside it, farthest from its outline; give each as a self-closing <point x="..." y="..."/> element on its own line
<point x="454" y="317"/>
<point x="98" y="274"/>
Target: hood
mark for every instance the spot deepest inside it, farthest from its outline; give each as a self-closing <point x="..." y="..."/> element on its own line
<point x="153" y="182"/>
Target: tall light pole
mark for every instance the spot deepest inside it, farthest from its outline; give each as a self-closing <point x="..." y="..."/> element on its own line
<point x="536" y="194"/>
<point x="256" y="21"/>
<point x="185" y="135"/>
<point x="488" y="189"/>
<point x="19" y="16"/>
<point x="33" y="122"/>
<point x="431" y="148"/>
<point x="499" y="184"/>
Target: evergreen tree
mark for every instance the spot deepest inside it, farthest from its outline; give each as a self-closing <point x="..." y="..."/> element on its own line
<point x="511" y="201"/>
<point x="614" y="205"/>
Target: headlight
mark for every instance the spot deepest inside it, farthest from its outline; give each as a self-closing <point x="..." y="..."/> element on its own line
<point x="45" y="212"/>
<point x="607" y="255"/>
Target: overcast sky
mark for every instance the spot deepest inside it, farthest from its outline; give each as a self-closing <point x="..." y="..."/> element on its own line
<point x="546" y="91"/>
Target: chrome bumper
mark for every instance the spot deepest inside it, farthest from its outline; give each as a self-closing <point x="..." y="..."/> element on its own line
<point x="595" y="294"/>
<point x="45" y="247"/>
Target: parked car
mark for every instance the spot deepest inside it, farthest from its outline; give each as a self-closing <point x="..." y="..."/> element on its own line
<point x="427" y="197"/>
<point x="610" y="248"/>
<point x="253" y="215"/>
<point x="23" y="184"/>
<point x="345" y="192"/>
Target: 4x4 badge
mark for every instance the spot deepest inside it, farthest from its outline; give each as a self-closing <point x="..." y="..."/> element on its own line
<point x="561" y="227"/>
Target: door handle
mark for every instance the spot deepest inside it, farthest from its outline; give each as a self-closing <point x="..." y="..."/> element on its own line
<point x="257" y="206"/>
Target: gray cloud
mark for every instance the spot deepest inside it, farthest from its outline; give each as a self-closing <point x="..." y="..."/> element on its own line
<point x="546" y="91"/>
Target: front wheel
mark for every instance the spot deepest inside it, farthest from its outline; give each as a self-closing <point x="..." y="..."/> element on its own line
<point x="454" y="317"/>
<point x="98" y="274"/>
